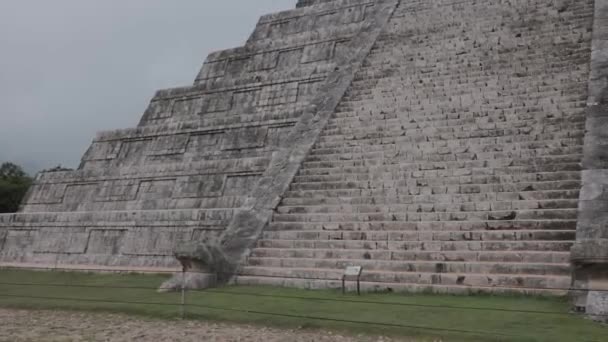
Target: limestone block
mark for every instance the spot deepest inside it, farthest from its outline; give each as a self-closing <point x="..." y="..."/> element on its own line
<point x="76" y="195"/>
<point x="216" y="102"/>
<point x="318" y="52"/>
<point x="61" y="240"/>
<point x="19" y="240"/>
<point x="288" y="26"/>
<point x="206" y="234"/>
<point x="213" y="69"/>
<point x="118" y="190"/>
<point x="307" y="90"/>
<point x="186" y="106"/>
<point x="200" y="186"/>
<point x="240" y="184"/>
<point x="105" y="241"/>
<point x="103" y="150"/>
<point x="153" y="241"/>
<point x="155" y="189"/>
<point x="247" y="98"/>
<point x="133" y="151"/>
<point x="597" y="305"/>
<point x="201" y="142"/>
<point x="277" y="136"/>
<point x="169" y="144"/>
<point x="590" y="251"/>
<point x="238" y="65"/>
<point x="596" y="138"/>
<point x="157" y="110"/>
<point x="245" y="138"/>
<point x="289" y="58"/>
<point x="46" y="194"/>
<point x="278" y="94"/>
<point x="264" y="61"/>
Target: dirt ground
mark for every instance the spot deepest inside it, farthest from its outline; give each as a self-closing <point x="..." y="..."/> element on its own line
<point x="60" y="326"/>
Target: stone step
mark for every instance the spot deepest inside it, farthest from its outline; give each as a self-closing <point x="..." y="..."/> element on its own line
<point x="431" y="226"/>
<point x="440" y="178"/>
<point x="545" y="257"/>
<point x="414" y="138"/>
<point x="428" y="207"/>
<point x="429" y="246"/>
<point x="502" y="139"/>
<point x="535" y="164"/>
<point x="392" y="117"/>
<point x="359" y="110"/>
<point x="316" y="284"/>
<point x="413" y="154"/>
<point x="380" y="188"/>
<point x="408" y="125"/>
<point x="414" y="172"/>
<point x="541" y="214"/>
<point x="360" y="99"/>
<point x="471" y="145"/>
<point x="394" y="236"/>
<point x="416" y="266"/>
<point x="467" y="279"/>
<point x="304" y="198"/>
<point x="386" y="128"/>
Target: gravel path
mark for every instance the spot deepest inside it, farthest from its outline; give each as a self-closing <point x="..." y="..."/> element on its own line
<point x="60" y="326"/>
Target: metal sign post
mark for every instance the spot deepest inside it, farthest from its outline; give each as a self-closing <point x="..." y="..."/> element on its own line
<point x="183" y="288"/>
<point x="349" y="272"/>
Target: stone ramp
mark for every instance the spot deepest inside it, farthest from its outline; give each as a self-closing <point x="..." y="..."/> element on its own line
<point x="452" y="163"/>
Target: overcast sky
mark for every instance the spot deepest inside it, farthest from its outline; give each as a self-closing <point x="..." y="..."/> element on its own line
<point x="70" y="68"/>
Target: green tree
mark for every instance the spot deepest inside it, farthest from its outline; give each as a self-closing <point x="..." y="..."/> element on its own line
<point x="14" y="183"/>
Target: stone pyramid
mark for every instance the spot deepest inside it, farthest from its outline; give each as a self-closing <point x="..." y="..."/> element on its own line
<point x="443" y="145"/>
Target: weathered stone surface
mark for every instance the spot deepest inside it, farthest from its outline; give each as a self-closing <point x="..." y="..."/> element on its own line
<point x="445" y="145"/>
<point x="597" y="305"/>
<point x="188" y="167"/>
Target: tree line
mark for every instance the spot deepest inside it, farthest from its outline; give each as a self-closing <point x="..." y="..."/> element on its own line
<point x="14" y="183"/>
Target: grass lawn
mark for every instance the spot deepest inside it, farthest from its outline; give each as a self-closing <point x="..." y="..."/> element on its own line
<point x="425" y="317"/>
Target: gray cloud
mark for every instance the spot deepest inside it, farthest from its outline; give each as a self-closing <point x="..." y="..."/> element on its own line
<point x="70" y="68"/>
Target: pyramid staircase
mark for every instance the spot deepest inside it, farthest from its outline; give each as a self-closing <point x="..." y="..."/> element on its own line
<point x="450" y="165"/>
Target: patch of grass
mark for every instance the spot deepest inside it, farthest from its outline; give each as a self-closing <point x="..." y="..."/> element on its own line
<point x="423" y="316"/>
